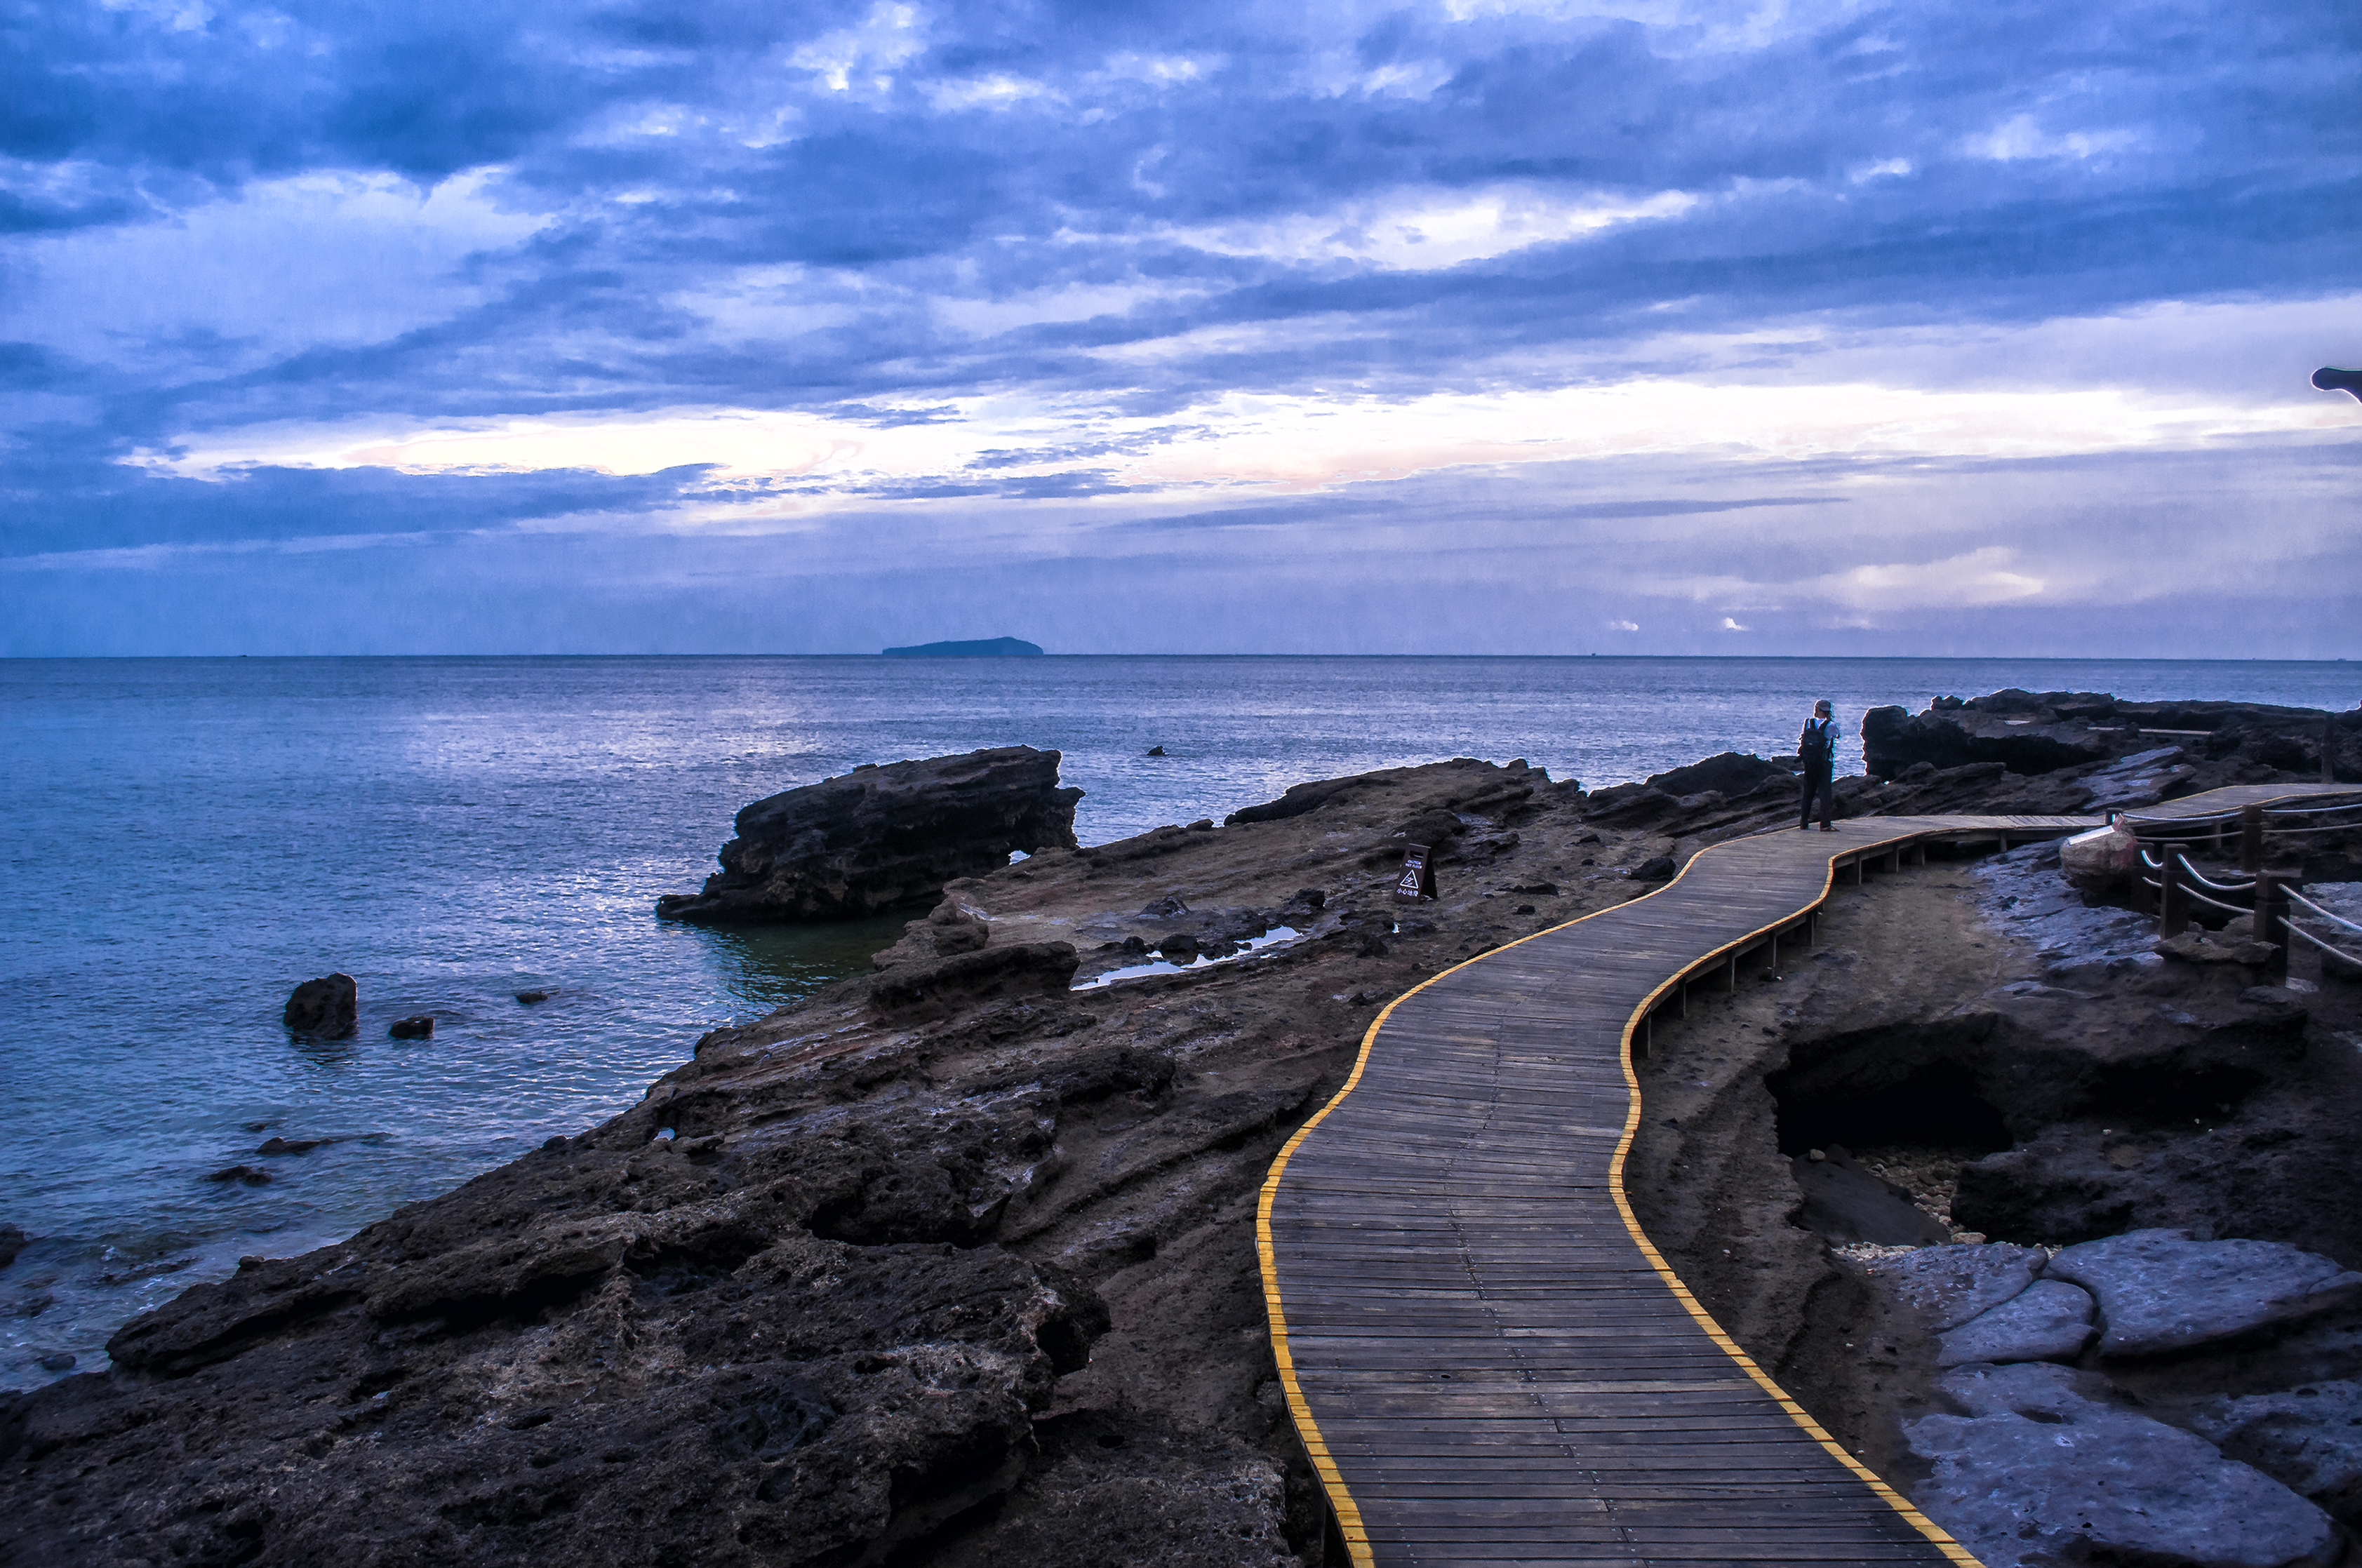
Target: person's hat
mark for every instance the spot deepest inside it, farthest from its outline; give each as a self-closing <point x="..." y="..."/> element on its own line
<point x="1822" y="706"/>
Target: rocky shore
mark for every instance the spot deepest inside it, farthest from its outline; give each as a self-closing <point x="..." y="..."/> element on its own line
<point x="952" y="1263"/>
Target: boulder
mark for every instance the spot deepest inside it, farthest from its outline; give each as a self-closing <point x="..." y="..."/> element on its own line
<point x="1847" y="1203"/>
<point x="530" y="997"/>
<point x="328" y="1007"/>
<point x="1656" y="869"/>
<point x="419" y="1026"/>
<point x="878" y="838"/>
<point x="2308" y="1438"/>
<point x="2041" y="1472"/>
<point x="2160" y="1291"/>
<point x="1948" y="1285"/>
<point x="2050" y="1321"/>
<point x="12" y="1242"/>
<point x="2099" y="859"/>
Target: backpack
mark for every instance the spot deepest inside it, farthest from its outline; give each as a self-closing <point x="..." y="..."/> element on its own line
<point x="1814" y="745"/>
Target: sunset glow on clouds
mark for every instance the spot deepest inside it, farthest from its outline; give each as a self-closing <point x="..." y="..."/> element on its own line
<point x="1823" y="327"/>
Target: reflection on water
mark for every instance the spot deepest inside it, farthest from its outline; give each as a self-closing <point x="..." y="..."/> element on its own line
<point x="765" y="968"/>
<point x="189" y="838"/>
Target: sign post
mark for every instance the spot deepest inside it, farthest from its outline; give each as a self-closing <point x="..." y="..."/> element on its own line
<point x="1418" y="881"/>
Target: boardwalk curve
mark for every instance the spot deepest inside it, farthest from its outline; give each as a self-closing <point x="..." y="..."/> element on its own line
<point x="1485" y="1356"/>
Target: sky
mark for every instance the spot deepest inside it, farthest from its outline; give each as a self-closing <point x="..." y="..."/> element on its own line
<point x="1645" y="326"/>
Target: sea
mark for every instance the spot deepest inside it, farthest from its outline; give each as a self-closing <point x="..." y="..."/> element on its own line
<point x="187" y="839"/>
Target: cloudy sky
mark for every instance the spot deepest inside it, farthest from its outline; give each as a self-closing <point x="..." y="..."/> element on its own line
<point x="1610" y="326"/>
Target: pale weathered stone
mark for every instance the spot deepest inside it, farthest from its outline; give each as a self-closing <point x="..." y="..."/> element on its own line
<point x="2308" y="1438"/>
<point x="2051" y="1321"/>
<point x="2160" y="1291"/>
<point x="1950" y="1285"/>
<point x="2044" y="1473"/>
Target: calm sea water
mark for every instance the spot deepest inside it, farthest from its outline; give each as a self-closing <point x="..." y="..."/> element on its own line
<point x="186" y="839"/>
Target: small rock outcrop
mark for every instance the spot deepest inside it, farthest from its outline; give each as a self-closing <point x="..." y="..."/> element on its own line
<point x="12" y="1242"/>
<point x="327" y="1007"/>
<point x="420" y="1026"/>
<point x="879" y="837"/>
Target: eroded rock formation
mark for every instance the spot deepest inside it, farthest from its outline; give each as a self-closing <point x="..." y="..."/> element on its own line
<point x="879" y="838"/>
<point x="2043" y="731"/>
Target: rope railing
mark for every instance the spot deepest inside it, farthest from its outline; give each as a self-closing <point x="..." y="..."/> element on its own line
<point x="2310" y="811"/>
<point x="2311" y="908"/>
<point x="2199" y="878"/>
<point x="2195" y="897"/>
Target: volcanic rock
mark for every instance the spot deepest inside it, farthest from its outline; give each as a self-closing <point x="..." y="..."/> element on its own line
<point x="881" y="836"/>
<point x="419" y="1026"/>
<point x="955" y="927"/>
<point x="2041" y="1472"/>
<point x="2037" y="733"/>
<point x="327" y="1007"/>
<point x="912" y="991"/>
<point x="12" y="1242"/>
<point x="1949" y="1285"/>
<point x="2051" y="1320"/>
<point x="1847" y="1203"/>
<point x="2162" y="1291"/>
<point x="2308" y="1438"/>
<point x="1732" y="773"/>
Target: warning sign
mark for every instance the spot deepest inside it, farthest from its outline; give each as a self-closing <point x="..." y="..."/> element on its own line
<point x="1418" y="881"/>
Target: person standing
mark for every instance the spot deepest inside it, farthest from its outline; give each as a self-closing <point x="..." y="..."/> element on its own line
<point x="1819" y="748"/>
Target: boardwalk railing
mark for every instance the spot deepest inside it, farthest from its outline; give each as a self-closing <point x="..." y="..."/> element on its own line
<point x="2275" y="898"/>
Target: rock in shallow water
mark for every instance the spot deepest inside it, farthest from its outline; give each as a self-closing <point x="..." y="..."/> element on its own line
<point x="881" y="836"/>
<point x="2042" y="1472"/>
<point x="2160" y="1291"/>
<point x="328" y="1006"/>
<point x="419" y="1027"/>
<point x="2051" y="1320"/>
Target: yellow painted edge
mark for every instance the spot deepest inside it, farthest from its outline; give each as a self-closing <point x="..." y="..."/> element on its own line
<point x="1324" y="1464"/>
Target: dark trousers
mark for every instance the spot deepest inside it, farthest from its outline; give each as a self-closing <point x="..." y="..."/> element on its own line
<point x="1818" y="785"/>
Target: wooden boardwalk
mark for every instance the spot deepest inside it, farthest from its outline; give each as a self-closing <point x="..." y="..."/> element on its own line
<point x="1486" y="1358"/>
<point x="2229" y="800"/>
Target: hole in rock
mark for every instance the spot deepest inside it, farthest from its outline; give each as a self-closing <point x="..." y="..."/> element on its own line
<point x="1936" y="1105"/>
<point x="2175" y="1095"/>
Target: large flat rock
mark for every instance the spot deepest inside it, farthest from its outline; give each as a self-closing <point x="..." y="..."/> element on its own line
<point x="1948" y="1285"/>
<point x="2051" y="1320"/>
<point x="2040" y="1472"/>
<point x="2308" y="1438"/>
<point x="2160" y="1291"/>
<point x="881" y="837"/>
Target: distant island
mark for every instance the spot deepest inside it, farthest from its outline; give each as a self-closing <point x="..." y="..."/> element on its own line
<point x="988" y="647"/>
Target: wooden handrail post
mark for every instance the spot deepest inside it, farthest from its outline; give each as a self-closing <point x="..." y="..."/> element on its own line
<point x="2251" y="839"/>
<point x="2271" y="919"/>
<point x="2172" y="894"/>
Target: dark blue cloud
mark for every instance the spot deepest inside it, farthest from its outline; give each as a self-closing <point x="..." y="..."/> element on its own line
<point x="748" y="205"/>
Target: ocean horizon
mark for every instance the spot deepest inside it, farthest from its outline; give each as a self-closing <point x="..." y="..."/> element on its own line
<point x="190" y="837"/>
